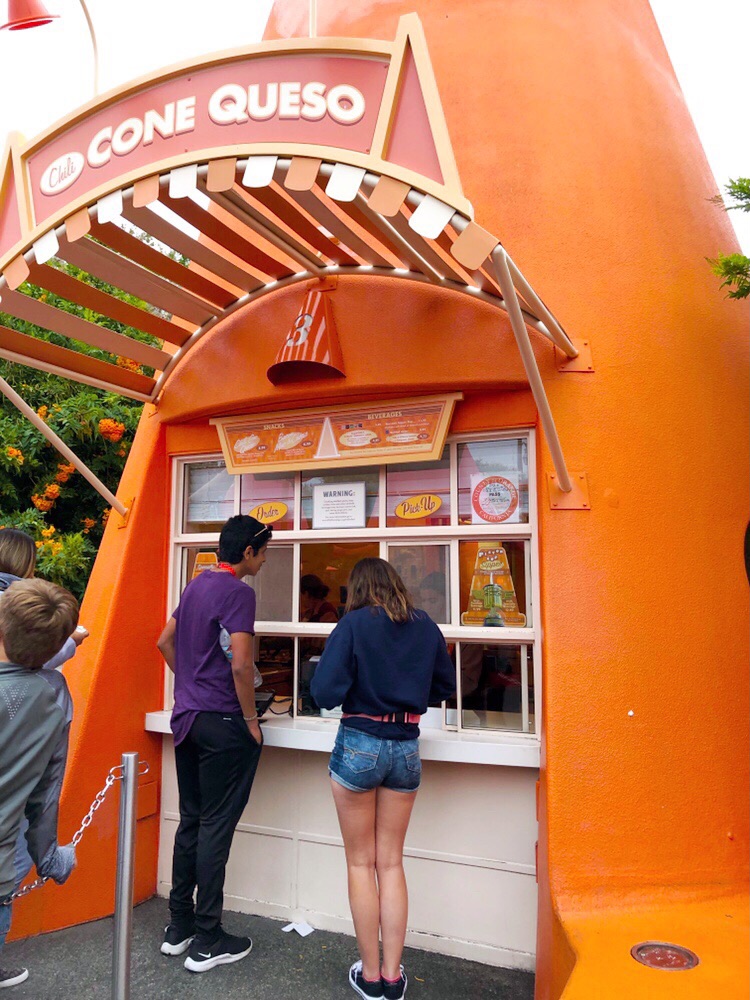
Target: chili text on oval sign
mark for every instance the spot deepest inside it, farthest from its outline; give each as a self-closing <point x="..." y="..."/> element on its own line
<point x="61" y="173"/>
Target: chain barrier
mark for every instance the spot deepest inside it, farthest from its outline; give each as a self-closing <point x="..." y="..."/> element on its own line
<point x="114" y="775"/>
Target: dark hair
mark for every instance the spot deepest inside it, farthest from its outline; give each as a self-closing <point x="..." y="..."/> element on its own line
<point x="314" y="586"/>
<point x="17" y="553"/>
<point x="36" y="617"/>
<point x="375" y="583"/>
<point x="239" y="532"/>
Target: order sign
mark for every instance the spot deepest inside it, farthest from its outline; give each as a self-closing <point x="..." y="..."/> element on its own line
<point x="494" y="499"/>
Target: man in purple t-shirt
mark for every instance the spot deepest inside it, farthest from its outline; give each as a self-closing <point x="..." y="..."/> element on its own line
<point x="217" y="740"/>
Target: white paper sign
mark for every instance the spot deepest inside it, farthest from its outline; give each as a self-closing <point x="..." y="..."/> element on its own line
<point x="495" y="499"/>
<point x="341" y="505"/>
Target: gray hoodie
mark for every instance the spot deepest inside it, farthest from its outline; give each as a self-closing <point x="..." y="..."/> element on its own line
<point x="32" y="726"/>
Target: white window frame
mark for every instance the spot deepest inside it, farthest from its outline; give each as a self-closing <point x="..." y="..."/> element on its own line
<point x="451" y="534"/>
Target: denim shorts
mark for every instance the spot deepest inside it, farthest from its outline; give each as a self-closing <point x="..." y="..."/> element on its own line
<point x="361" y="762"/>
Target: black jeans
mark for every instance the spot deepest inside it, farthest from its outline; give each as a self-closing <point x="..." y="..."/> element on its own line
<point x="216" y="765"/>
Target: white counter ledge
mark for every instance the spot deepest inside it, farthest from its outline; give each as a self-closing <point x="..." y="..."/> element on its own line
<point x="435" y="744"/>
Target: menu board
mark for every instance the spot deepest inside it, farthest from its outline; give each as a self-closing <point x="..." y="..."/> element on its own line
<point x="341" y="436"/>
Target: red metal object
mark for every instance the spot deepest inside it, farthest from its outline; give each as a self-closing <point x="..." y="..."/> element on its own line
<point x="27" y="14"/>
<point x="665" y="956"/>
<point x="311" y="349"/>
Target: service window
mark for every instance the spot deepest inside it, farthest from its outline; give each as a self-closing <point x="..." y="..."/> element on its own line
<point x="461" y="532"/>
<point x="269" y="496"/>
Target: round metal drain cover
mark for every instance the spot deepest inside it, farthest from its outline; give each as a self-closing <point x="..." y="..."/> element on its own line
<point x="660" y="955"/>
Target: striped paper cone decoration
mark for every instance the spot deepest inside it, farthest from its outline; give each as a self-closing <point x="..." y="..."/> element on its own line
<point x="311" y="349"/>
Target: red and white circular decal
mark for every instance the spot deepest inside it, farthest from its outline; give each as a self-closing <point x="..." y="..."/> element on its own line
<point x="494" y="499"/>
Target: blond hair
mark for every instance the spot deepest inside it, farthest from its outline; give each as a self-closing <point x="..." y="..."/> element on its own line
<point x="36" y="617"/>
<point x="17" y="553"/>
<point x="375" y="583"/>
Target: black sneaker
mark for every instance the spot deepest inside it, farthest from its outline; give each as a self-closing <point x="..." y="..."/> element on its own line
<point x="225" y="950"/>
<point x="176" y="940"/>
<point x="12" y="977"/>
<point x="397" y="990"/>
<point x="366" y="989"/>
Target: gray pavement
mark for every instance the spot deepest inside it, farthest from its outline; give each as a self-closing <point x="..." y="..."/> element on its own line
<point x="75" y="964"/>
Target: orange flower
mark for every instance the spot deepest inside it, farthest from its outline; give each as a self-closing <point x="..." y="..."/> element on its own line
<point x="52" y="491"/>
<point x="129" y="365"/>
<point x="41" y="503"/>
<point x="43" y="411"/>
<point x="62" y="477"/>
<point x="111" y="430"/>
<point x="15" y="453"/>
<point x="88" y="524"/>
<point x="48" y="532"/>
<point x="105" y="515"/>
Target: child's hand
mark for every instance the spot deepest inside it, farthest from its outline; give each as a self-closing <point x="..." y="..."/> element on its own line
<point x="80" y="634"/>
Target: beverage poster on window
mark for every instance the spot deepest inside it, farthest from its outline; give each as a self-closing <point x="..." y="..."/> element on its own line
<point x="492" y="598"/>
<point x="495" y="499"/>
<point x="341" y="436"/>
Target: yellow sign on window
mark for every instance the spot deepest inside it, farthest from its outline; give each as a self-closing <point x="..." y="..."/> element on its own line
<point x="418" y="507"/>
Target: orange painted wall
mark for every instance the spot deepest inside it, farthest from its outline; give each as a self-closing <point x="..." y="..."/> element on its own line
<point x="574" y="144"/>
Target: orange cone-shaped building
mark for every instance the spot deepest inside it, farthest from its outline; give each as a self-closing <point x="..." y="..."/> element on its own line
<point x="541" y="414"/>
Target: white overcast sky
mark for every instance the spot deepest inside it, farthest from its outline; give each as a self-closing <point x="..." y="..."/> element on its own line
<point x="47" y="72"/>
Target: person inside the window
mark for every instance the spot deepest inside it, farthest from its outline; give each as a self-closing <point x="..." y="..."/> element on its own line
<point x="313" y="604"/>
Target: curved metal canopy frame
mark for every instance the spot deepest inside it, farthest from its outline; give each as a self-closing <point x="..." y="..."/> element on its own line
<point x="198" y="242"/>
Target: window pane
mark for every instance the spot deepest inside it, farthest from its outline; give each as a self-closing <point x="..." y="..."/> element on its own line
<point x="493" y="583"/>
<point x="419" y="493"/>
<point x="269" y="496"/>
<point x="274" y="657"/>
<point x="324" y="571"/>
<point x="194" y="561"/>
<point x="325" y="567"/>
<point x="425" y="571"/>
<point x="493" y="482"/>
<point x="209" y="496"/>
<point x="369" y="476"/>
<point x="273" y="586"/>
<point x="492" y="686"/>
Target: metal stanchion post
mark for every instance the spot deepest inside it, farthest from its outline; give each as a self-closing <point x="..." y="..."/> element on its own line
<point x="125" y="874"/>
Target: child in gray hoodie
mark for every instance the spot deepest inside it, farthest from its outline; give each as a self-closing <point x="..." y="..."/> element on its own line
<point x="18" y="561"/>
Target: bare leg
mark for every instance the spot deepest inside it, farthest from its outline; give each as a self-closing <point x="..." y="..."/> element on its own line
<point x="356" y="812"/>
<point x="392" y="820"/>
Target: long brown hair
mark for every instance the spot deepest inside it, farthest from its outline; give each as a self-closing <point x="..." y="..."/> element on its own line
<point x="17" y="553"/>
<point x="375" y="583"/>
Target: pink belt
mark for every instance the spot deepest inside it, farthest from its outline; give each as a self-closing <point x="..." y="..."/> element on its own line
<point x="412" y="717"/>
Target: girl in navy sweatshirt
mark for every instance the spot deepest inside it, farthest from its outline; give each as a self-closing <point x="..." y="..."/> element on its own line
<point x="385" y="662"/>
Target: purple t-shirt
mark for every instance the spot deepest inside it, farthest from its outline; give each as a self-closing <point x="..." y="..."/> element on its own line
<point x="203" y="680"/>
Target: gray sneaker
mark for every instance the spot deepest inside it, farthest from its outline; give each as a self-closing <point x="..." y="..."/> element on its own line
<point x="12" y="977"/>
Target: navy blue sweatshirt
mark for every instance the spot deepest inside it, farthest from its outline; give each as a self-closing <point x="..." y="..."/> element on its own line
<point x="376" y="666"/>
